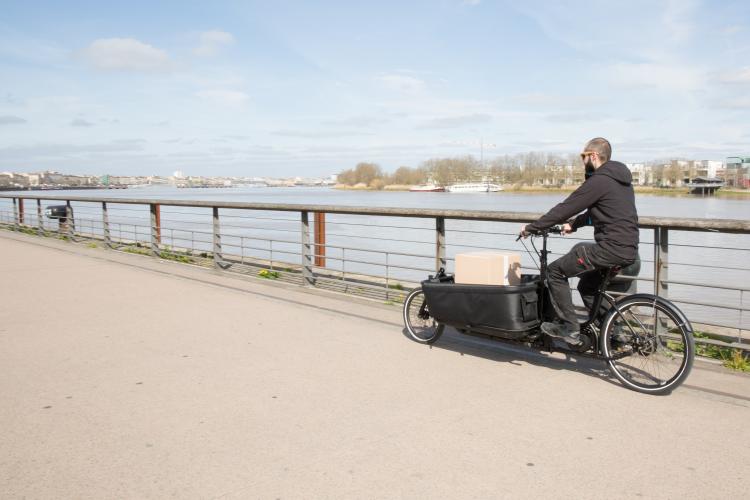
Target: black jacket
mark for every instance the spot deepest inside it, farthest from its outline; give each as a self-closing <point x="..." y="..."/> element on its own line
<point x="609" y="201"/>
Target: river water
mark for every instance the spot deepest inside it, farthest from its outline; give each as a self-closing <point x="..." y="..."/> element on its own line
<point x="721" y="260"/>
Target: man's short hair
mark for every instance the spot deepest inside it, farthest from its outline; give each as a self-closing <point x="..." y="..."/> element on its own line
<point x="601" y="147"/>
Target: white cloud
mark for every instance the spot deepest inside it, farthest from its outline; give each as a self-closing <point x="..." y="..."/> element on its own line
<point x="472" y="2"/>
<point x="403" y="83"/>
<point x="678" y="19"/>
<point x="224" y="97"/>
<point x="80" y="122"/>
<point x="57" y="151"/>
<point x="666" y="77"/>
<point x="734" y="104"/>
<point x="738" y="76"/>
<point x="212" y="41"/>
<point x="48" y="104"/>
<point x="456" y="121"/>
<point x="125" y="54"/>
<point x="361" y="121"/>
<point x="11" y="120"/>
<point x="318" y="134"/>
<point x="667" y="28"/>
<point x="732" y="29"/>
<point x="24" y="48"/>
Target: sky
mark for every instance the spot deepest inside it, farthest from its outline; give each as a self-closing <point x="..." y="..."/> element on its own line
<point x="299" y="88"/>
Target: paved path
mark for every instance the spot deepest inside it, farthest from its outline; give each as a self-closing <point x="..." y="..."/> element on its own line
<point x="126" y="377"/>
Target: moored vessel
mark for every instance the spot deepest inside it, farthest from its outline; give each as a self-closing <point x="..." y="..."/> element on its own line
<point x="474" y="187"/>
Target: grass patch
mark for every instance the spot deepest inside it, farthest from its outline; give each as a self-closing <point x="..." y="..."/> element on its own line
<point x="92" y="245"/>
<point x="709" y="350"/>
<point x="176" y="257"/>
<point x="737" y="360"/>
<point x="396" y="286"/>
<point x="734" y="359"/>
<point x="136" y="250"/>
<point x="269" y="275"/>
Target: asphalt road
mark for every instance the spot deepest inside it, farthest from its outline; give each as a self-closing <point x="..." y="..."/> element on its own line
<point x="126" y="377"/>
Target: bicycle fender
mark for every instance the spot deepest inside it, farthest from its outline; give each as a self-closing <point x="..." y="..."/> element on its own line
<point x="659" y="300"/>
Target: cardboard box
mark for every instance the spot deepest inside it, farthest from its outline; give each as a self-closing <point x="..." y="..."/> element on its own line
<point x="488" y="268"/>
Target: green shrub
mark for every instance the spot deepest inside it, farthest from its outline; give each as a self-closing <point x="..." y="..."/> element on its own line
<point x="270" y="275"/>
<point x="737" y="360"/>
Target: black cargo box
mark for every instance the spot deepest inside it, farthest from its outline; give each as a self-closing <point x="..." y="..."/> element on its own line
<point x="504" y="311"/>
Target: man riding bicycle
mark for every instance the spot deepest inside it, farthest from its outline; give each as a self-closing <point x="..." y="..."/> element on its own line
<point x="606" y="201"/>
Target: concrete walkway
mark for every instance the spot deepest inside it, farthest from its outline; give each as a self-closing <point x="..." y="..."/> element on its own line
<point x="126" y="377"/>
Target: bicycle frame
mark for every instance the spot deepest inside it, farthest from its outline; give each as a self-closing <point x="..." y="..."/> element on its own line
<point x="601" y="294"/>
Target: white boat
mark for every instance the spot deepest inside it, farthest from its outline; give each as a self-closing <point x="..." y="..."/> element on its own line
<point x="474" y="187"/>
<point x="427" y="188"/>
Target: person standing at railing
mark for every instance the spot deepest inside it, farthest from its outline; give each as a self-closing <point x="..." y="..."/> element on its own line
<point x="605" y="200"/>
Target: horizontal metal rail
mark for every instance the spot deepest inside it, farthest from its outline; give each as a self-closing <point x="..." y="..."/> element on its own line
<point x="682" y="224"/>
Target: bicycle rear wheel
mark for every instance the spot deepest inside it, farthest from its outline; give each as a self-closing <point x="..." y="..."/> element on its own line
<point x="420" y="325"/>
<point x="648" y="346"/>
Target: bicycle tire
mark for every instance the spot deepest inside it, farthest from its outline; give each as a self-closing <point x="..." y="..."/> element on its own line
<point x="648" y="337"/>
<point x="423" y="329"/>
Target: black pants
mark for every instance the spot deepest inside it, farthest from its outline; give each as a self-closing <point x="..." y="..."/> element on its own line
<point x="583" y="260"/>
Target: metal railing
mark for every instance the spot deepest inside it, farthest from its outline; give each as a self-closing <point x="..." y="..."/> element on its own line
<point x="380" y="253"/>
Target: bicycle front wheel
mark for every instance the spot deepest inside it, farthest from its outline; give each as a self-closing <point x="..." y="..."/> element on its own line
<point x="648" y="346"/>
<point x="420" y="325"/>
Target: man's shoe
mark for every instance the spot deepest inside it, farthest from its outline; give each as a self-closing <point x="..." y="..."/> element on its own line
<point x="561" y="332"/>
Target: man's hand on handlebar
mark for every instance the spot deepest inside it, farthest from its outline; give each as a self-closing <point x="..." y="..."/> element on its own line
<point x="525" y="232"/>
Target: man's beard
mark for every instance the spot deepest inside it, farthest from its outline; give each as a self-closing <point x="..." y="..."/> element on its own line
<point x="589" y="169"/>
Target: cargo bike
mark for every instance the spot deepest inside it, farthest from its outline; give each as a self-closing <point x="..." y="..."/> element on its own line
<point x="646" y="341"/>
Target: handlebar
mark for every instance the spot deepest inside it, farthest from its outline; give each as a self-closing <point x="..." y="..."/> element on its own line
<point x="544" y="232"/>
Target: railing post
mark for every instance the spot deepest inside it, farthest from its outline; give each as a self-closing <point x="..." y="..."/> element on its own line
<point x="218" y="259"/>
<point x="440" y="261"/>
<point x="739" y="330"/>
<point x="320" y="239"/>
<point x="20" y="212"/>
<point x="661" y="261"/>
<point x="40" y="217"/>
<point x="158" y="224"/>
<point x="70" y="221"/>
<point x="307" y="274"/>
<point x="15" y="214"/>
<point x="154" y="230"/>
<point x="105" y="226"/>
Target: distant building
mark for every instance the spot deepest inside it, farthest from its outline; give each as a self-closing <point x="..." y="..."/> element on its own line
<point x="709" y="168"/>
<point x="737" y="172"/>
<point x="678" y="173"/>
<point x="642" y="174"/>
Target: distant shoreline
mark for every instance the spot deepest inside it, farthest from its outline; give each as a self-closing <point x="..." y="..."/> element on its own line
<point x="60" y="188"/>
<point x="723" y="192"/>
